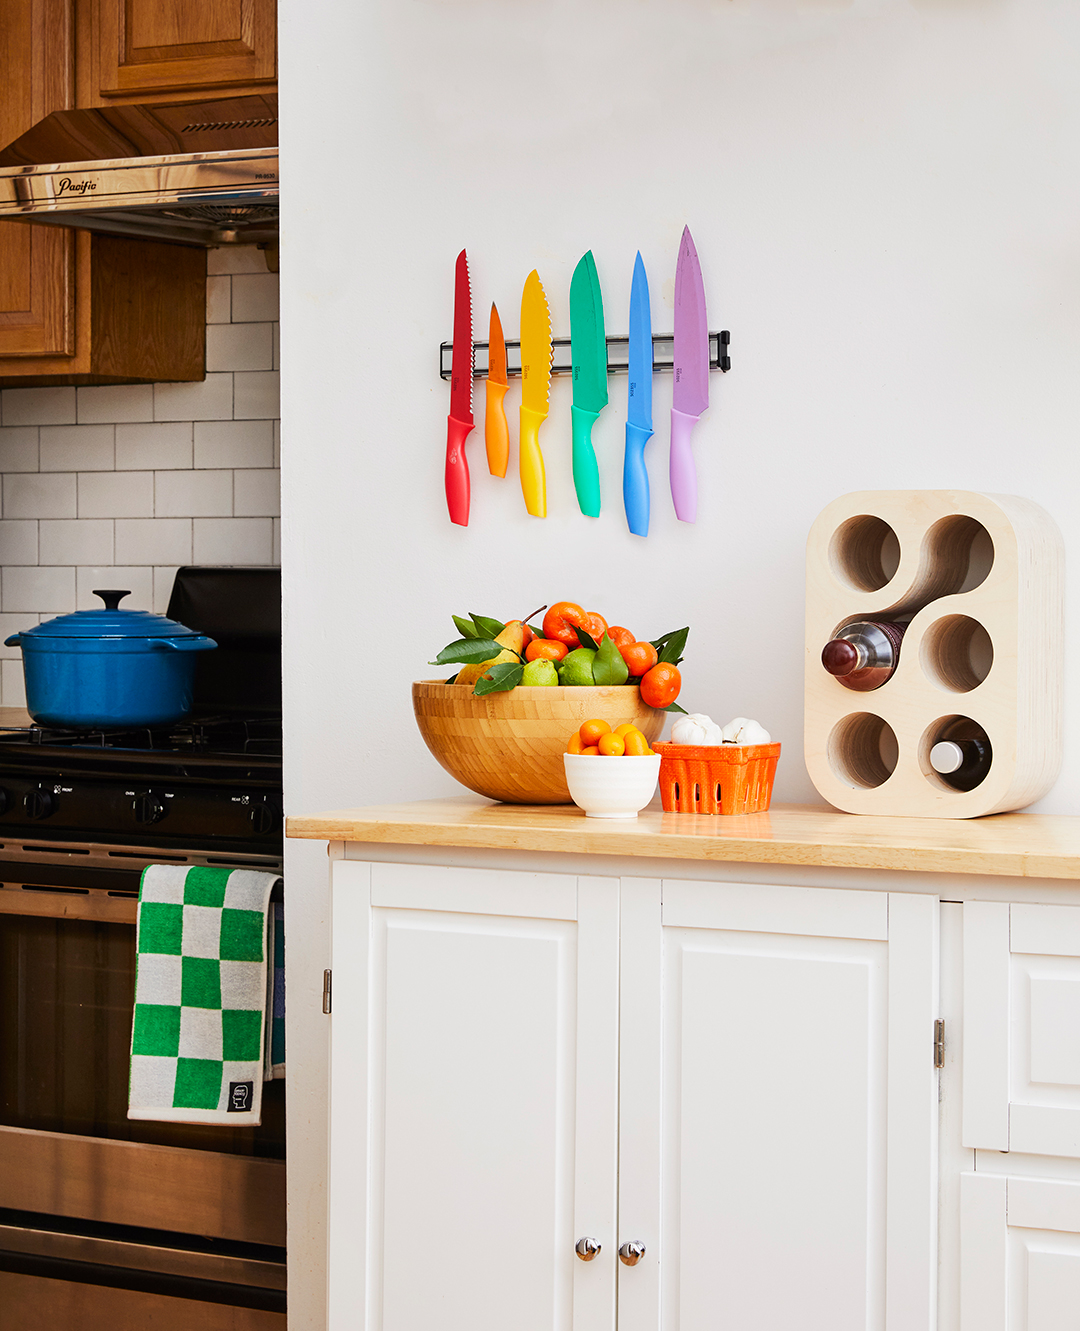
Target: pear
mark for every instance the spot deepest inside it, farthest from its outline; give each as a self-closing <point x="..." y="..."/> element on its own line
<point x="511" y="640"/>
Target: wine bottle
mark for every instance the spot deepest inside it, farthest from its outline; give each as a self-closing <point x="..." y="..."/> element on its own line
<point x="863" y="655"/>
<point x="963" y="763"/>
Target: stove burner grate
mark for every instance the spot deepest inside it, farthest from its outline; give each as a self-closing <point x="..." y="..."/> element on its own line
<point x="253" y="736"/>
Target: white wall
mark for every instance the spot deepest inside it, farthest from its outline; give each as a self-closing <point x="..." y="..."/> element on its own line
<point x="886" y="202"/>
<point x="117" y="485"/>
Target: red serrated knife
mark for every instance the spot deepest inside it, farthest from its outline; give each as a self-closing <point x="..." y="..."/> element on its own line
<point x="459" y="423"/>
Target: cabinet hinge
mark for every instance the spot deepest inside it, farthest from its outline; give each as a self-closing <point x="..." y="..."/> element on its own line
<point x="939" y="1042"/>
<point x="327" y="991"/>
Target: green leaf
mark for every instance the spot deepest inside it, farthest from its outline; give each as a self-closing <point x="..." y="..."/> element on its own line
<point x="609" y="666"/>
<point x="467" y="651"/>
<point x="500" y="678"/>
<point x="450" y="680"/>
<point x="489" y="628"/>
<point x="587" y="641"/>
<point x="465" y="627"/>
<point x="670" y="647"/>
<point x="674" y="707"/>
<point x="537" y="633"/>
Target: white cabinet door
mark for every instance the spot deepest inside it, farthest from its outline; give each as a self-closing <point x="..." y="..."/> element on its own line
<point x="1020" y="1254"/>
<point x="779" y="1123"/>
<point x="474" y="1099"/>
<point x="1022" y="1028"/>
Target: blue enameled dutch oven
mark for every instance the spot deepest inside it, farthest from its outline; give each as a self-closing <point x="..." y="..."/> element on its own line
<point x="109" y="668"/>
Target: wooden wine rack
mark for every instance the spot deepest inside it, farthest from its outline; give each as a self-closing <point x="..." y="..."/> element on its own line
<point x="981" y="578"/>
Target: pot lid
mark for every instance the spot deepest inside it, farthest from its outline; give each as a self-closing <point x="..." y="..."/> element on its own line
<point x="111" y="622"/>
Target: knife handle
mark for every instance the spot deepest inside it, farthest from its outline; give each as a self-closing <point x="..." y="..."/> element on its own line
<point x="457" y="470"/>
<point x="635" y="480"/>
<point x="586" y="473"/>
<point x="682" y="471"/>
<point x="531" y="463"/>
<point x="496" y="434"/>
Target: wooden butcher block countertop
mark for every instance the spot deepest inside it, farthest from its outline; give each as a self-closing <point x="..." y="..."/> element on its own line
<point x="1014" y="845"/>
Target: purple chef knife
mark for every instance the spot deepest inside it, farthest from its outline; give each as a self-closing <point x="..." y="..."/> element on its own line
<point x="691" y="394"/>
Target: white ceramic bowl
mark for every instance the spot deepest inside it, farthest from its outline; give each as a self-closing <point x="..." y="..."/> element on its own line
<point x="611" y="787"/>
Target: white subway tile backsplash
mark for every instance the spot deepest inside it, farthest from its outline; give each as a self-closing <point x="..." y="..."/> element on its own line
<point x="116" y="494"/>
<point x="83" y="541"/>
<point x="37" y="590"/>
<point x="211" y="400"/>
<point x="153" y="540"/>
<point x="234" y="443"/>
<point x="10" y="624"/>
<point x="12" y="683"/>
<point x="38" y="406"/>
<point x="234" y="541"/>
<point x="276" y="556"/>
<point x="18" y="541"/>
<point x="277" y="346"/>
<point x="255" y="298"/>
<point x="78" y="447"/>
<point x="257" y="395"/>
<point x="38" y="495"/>
<point x="218" y="300"/>
<point x="159" y="447"/>
<point x="239" y="347"/>
<point x="236" y="259"/>
<point x="112" y="403"/>
<point x="256" y="494"/>
<point x="164" y="578"/>
<point x="193" y="494"/>
<point x="277" y="444"/>
<point x="19" y="448"/>
<point x="138" y="581"/>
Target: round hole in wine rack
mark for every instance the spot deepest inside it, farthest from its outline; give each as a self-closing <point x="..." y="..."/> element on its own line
<point x="864" y="553"/>
<point x="958" y="552"/>
<point x="955" y="753"/>
<point x="957" y="653"/>
<point x="863" y="750"/>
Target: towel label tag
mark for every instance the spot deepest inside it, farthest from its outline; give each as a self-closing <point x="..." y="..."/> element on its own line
<point x="240" y="1095"/>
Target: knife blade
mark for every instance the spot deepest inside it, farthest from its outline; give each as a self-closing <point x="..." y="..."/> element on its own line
<point x="588" y="357"/>
<point x="459" y="423"/>
<point x="496" y="433"/>
<point x="536" y="355"/>
<point x="639" y="427"/>
<point x="690" y="396"/>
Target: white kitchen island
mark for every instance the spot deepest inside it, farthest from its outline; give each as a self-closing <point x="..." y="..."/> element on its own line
<point x="716" y="1040"/>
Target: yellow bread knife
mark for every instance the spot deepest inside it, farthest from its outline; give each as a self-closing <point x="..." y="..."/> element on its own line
<point x="536" y="356"/>
<point x="496" y="434"/>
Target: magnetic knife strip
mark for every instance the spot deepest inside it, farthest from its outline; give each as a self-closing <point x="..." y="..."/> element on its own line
<point x="618" y="355"/>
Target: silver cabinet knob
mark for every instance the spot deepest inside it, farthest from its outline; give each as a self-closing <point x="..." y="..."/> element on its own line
<point x="631" y="1253"/>
<point x="587" y="1249"/>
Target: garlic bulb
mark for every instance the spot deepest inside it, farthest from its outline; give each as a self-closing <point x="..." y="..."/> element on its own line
<point x="697" y="729"/>
<point x="744" y="731"/>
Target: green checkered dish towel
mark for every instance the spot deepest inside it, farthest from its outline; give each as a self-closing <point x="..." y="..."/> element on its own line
<point x="198" y="1040"/>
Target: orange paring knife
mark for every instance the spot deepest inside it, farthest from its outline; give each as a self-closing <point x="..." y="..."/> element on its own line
<point x="496" y="434"/>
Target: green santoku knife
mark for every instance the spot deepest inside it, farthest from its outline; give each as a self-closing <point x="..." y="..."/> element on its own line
<point x="588" y="354"/>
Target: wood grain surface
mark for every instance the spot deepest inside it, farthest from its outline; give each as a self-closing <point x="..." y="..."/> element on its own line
<point x="1010" y="845"/>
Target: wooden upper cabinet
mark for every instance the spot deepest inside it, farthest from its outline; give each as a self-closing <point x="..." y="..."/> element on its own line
<point x="142" y="47"/>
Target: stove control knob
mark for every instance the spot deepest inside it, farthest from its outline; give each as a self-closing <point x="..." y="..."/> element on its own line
<point x="264" y="819"/>
<point x="39" y="804"/>
<point x="147" y="809"/>
<point x="5" y="800"/>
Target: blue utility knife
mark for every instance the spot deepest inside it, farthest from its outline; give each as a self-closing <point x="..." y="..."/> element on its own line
<point x="639" y="426"/>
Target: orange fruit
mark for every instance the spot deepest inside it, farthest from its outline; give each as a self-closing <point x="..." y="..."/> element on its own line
<point x="595" y="626"/>
<point x="561" y="621"/>
<point x="591" y="731"/>
<point x="590" y="752"/>
<point x="635" y="744"/>
<point x="625" y="728"/>
<point x="546" y="649"/>
<point x="611" y="745"/>
<point x="575" y="745"/>
<point x="620" y="636"/>
<point x="640" y="657"/>
<point x="660" y="686"/>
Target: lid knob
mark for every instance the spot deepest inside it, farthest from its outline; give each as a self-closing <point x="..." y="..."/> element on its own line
<point x="839" y="657"/>
<point x="112" y="599"/>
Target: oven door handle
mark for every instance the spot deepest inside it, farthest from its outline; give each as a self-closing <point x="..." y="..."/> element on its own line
<point x="181" y="644"/>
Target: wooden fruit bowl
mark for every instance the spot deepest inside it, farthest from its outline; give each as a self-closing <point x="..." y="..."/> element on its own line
<point x="510" y="746"/>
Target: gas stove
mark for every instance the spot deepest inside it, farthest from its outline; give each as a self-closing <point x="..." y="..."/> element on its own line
<point x="211" y="781"/>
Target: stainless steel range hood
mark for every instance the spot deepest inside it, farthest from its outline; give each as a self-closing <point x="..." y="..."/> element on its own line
<point x="202" y="173"/>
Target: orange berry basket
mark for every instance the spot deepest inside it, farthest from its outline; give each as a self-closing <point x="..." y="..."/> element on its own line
<point x="717" y="778"/>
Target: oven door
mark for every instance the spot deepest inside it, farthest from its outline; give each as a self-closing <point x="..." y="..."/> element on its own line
<point x="157" y="1207"/>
